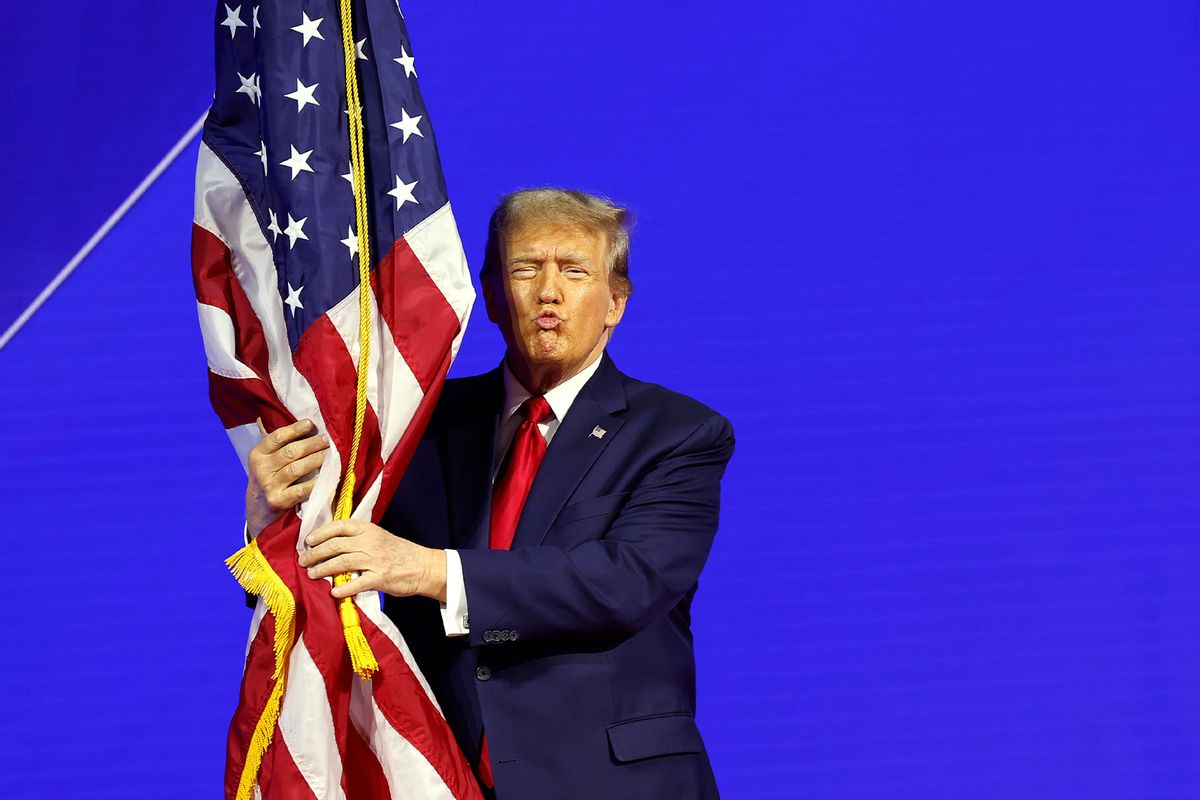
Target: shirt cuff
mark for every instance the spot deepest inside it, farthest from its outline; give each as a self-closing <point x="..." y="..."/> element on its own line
<point x="454" y="610"/>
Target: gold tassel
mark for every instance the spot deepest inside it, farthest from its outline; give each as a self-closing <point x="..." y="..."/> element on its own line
<point x="254" y="574"/>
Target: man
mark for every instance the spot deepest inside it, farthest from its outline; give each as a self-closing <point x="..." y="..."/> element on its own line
<point x="570" y="507"/>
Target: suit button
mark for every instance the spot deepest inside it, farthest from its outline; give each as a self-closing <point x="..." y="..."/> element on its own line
<point x="515" y="634"/>
<point x="483" y="672"/>
<point x="488" y="636"/>
<point x="504" y="635"/>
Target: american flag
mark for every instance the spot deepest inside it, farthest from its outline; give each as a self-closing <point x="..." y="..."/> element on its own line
<point x="274" y="258"/>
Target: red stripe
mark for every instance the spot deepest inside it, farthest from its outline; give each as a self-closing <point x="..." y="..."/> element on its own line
<point x="216" y="285"/>
<point x="240" y="401"/>
<point x="236" y="401"/>
<point x="256" y="686"/>
<point x="324" y="361"/>
<point x="421" y="320"/>
<point x="280" y="778"/>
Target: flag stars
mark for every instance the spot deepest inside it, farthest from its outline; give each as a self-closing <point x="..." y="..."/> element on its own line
<point x="358" y="49"/>
<point x="406" y="61"/>
<point x="351" y="241"/>
<point x="233" y="20"/>
<point x="408" y="125"/>
<point x="303" y="95"/>
<point x="273" y="227"/>
<point x="309" y="29"/>
<point x="403" y="193"/>
<point x="293" y="299"/>
<point x="297" y="162"/>
<point x="349" y="178"/>
<point x="262" y="154"/>
<point x="294" y="231"/>
<point x="250" y="87"/>
<point x="254" y="22"/>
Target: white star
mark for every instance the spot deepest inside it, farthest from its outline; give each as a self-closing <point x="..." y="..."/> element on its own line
<point x="274" y="226"/>
<point x="254" y="22"/>
<point x="308" y="29"/>
<point x="295" y="230"/>
<point x="297" y="162"/>
<point x="406" y="61"/>
<point x="408" y="124"/>
<point x="349" y="178"/>
<point x="233" y="20"/>
<point x="403" y="193"/>
<point x="293" y="299"/>
<point x="303" y="95"/>
<point x="262" y="154"/>
<point x="358" y="46"/>
<point x="351" y="241"/>
<point x="249" y="86"/>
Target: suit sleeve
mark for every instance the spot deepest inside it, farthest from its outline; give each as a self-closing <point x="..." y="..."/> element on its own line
<point x="651" y="556"/>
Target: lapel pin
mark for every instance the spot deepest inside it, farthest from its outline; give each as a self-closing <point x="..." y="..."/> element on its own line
<point x="598" y="432"/>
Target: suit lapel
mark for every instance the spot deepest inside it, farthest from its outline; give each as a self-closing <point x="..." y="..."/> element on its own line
<point x="469" y="443"/>
<point x="576" y="445"/>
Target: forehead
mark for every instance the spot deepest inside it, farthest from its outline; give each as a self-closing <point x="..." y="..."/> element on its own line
<point x="547" y="236"/>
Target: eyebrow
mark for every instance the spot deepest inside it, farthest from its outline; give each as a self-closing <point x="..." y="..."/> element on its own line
<point x="567" y="256"/>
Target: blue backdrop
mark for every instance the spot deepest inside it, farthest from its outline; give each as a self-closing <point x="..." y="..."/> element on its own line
<point x="937" y="261"/>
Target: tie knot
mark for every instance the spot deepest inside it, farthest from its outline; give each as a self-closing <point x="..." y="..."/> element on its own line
<point x="536" y="409"/>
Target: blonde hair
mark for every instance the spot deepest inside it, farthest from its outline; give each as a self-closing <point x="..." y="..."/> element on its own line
<point x="568" y="206"/>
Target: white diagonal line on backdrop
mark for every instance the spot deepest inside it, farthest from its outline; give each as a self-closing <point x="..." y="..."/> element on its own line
<point x="103" y="230"/>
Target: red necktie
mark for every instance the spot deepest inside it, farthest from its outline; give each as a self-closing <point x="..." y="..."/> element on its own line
<point x="508" y="499"/>
<point x="516" y="474"/>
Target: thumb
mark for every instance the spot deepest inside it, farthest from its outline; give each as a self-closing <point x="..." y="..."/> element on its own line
<point x="261" y="429"/>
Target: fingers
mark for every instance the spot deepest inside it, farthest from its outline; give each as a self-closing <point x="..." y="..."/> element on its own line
<point x="294" y="470"/>
<point x="359" y="584"/>
<point x="300" y="448"/>
<point x="281" y="436"/>
<point x="348" y="562"/>
<point x="333" y="530"/>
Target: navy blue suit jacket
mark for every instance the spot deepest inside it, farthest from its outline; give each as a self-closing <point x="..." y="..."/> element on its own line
<point x="579" y="661"/>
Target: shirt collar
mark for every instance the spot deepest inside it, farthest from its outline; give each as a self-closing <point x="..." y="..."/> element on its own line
<point x="560" y="398"/>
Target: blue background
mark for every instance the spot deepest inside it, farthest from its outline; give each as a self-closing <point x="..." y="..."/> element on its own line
<point x="937" y="261"/>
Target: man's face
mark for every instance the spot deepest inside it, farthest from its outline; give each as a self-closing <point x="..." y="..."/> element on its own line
<point x="552" y="299"/>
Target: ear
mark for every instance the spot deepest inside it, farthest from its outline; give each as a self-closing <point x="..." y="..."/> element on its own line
<point x="616" y="308"/>
<point x="493" y="303"/>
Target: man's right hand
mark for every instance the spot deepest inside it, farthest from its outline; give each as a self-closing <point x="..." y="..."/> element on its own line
<point x="280" y="466"/>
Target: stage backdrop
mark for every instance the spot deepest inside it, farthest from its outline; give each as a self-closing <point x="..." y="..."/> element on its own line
<point x="937" y="261"/>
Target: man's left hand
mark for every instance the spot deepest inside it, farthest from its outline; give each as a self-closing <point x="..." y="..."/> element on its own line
<point x="383" y="562"/>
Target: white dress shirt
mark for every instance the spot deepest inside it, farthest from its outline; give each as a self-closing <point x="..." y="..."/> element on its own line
<point x="454" y="611"/>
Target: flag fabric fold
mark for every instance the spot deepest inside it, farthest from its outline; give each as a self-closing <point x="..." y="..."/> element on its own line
<point x="274" y="257"/>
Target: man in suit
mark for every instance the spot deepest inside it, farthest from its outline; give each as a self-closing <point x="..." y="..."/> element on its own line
<point x="541" y="554"/>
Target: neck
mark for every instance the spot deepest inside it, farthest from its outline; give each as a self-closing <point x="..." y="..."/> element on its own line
<point x="541" y="378"/>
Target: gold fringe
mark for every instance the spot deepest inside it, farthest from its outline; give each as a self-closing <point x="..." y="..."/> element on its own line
<point x="254" y="574"/>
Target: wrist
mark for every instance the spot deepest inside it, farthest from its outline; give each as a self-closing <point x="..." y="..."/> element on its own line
<point x="434" y="584"/>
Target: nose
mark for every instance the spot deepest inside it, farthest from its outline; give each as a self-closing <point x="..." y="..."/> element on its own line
<point x="548" y="288"/>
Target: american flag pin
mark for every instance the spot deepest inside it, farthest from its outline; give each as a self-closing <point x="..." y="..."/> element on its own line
<point x="598" y="432"/>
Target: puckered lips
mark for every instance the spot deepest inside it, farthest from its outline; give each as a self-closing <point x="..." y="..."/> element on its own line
<point x="548" y="320"/>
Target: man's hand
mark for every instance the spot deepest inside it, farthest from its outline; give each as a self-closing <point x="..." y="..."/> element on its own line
<point x="384" y="562"/>
<point x="279" y="466"/>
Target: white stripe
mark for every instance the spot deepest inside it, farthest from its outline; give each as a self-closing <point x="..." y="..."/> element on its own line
<point x="408" y="772"/>
<point x="436" y="245"/>
<point x="103" y="230"/>
<point x="244" y="437"/>
<point x="306" y="723"/>
<point x="396" y="403"/>
<point x="220" y="342"/>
